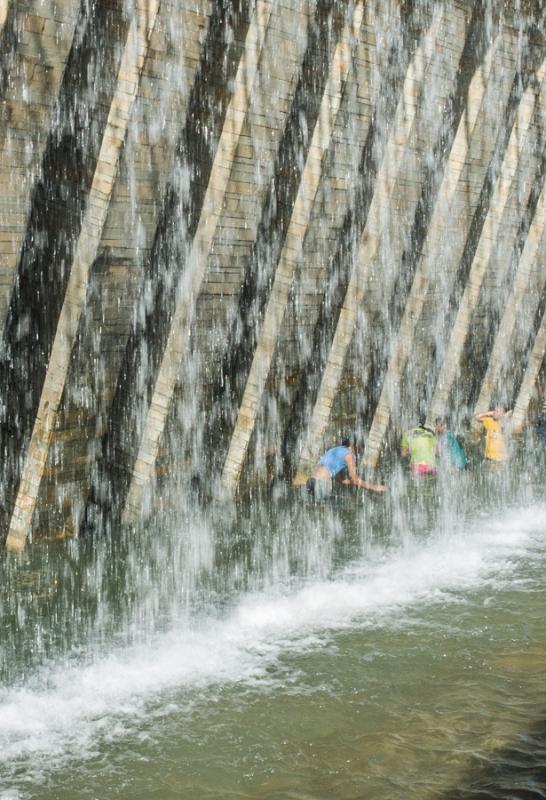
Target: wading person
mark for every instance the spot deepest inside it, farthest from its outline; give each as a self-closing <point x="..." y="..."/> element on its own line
<point x="541" y="423"/>
<point x="494" y="421"/>
<point x="419" y="445"/>
<point x="337" y="464"/>
<point x="450" y="452"/>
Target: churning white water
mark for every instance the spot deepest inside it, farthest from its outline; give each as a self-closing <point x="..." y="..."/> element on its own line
<point x="67" y="707"/>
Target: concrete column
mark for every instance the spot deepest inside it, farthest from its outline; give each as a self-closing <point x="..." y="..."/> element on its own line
<point x="291" y="253"/>
<point x="389" y="174"/>
<point x="3" y="12"/>
<point x="522" y="294"/>
<point x="146" y="166"/>
<point x="86" y="249"/>
<point x="426" y="266"/>
<point x="481" y="262"/>
<point x="192" y="280"/>
<point x="530" y="378"/>
<point x="28" y="105"/>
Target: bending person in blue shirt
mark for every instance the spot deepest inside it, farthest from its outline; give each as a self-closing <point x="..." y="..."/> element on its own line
<point x="337" y="463"/>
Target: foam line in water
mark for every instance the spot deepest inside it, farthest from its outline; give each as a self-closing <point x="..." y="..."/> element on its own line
<point x="72" y="706"/>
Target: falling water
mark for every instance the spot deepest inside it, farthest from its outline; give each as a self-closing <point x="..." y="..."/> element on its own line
<point x="209" y="654"/>
<point x="230" y="231"/>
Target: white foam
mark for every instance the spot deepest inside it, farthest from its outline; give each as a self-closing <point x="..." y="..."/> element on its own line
<point x="70" y="706"/>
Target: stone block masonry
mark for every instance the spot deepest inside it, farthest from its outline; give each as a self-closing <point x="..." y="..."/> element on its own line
<point x="230" y="231"/>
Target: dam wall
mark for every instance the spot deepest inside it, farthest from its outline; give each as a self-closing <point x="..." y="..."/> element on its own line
<point x="231" y="230"/>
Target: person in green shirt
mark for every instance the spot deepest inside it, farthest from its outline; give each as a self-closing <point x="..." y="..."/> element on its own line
<point x="420" y="445"/>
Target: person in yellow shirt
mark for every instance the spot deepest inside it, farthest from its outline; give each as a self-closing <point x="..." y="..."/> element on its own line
<point x="495" y="445"/>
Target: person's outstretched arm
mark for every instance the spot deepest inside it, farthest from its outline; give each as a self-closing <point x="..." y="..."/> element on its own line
<point x="372" y="487"/>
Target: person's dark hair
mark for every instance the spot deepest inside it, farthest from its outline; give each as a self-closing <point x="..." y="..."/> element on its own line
<point x="440" y="421"/>
<point x="422" y="420"/>
<point x="346" y="441"/>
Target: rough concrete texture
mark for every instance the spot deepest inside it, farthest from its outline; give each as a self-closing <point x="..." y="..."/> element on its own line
<point x="230" y="231"/>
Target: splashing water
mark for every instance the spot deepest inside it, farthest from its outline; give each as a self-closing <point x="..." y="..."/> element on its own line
<point x="174" y="629"/>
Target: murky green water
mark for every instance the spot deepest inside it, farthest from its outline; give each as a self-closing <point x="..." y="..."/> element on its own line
<point x="392" y="649"/>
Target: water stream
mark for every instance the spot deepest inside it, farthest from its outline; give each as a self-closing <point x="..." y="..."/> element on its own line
<point x="370" y="647"/>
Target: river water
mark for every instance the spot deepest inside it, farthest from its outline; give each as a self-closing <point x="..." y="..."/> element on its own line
<point x="371" y="647"/>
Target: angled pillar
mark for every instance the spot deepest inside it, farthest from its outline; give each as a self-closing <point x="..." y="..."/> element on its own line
<point x="86" y="249"/>
<point x="481" y="262"/>
<point x="513" y="315"/>
<point x="427" y="262"/>
<point x="389" y="174"/>
<point x="3" y="13"/>
<point x="192" y="280"/>
<point x="530" y="378"/>
<point x="290" y="254"/>
<point x="33" y="63"/>
<point x="72" y="481"/>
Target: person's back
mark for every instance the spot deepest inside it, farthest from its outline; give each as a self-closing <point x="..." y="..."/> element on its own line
<point x="450" y="452"/>
<point x="419" y="444"/>
<point x="495" y="444"/>
<point x="495" y="448"/>
<point x="335" y="459"/>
